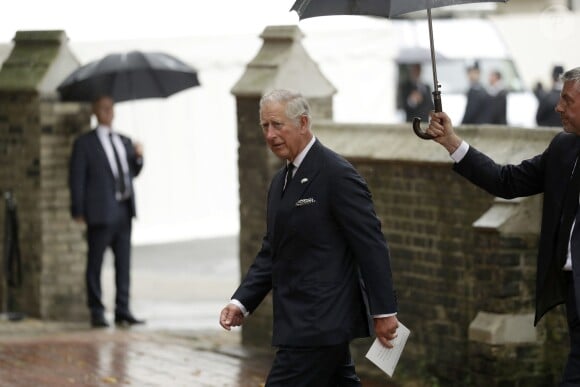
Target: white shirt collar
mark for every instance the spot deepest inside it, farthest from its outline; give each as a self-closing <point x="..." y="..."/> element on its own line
<point x="300" y="158"/>
<point x="103" y="131"/>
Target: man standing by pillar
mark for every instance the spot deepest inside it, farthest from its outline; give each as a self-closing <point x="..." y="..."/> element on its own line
<point x="102" y="167"/>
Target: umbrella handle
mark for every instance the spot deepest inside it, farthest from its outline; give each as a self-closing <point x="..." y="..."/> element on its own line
<point x="417" y="121"/>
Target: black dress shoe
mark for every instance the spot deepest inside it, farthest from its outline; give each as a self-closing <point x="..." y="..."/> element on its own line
<point x="99" y="322"/>
<point x="127" y="319"/>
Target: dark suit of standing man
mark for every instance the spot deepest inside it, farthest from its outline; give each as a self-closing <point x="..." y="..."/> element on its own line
<point x="550" y="173"/>
<point x="546" y="115"/>
<point x="324" y="257"/>
<point x="497" y="100"/>
<point x="476" y="107"/>
<point x="102" y="167"/>
<point x="415" y="96"/>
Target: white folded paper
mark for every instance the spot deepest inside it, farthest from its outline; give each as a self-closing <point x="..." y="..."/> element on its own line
<point x="387" y="358"/>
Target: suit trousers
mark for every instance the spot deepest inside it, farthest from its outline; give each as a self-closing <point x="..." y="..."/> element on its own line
<point x="329" y="366"/>
<point x="117" y="236"/>
<point x="571" y="375"/>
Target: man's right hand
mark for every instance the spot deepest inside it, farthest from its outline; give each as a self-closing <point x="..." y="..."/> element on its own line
<point x="231" y="316"/>
<point x="441" y="128"/>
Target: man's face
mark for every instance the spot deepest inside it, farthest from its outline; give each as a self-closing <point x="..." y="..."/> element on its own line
<point x="103" y="110"/>
<point x="569" y="107"/>
<point x="285" y="137"/>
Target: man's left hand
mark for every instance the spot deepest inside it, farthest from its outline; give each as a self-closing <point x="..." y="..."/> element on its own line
<point x="386" y="329"/>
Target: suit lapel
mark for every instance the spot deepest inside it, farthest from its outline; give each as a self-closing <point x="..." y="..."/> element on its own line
<point x="307" y="172"/>
<point x="282" y="206"/>
<point x="100" y="151"/>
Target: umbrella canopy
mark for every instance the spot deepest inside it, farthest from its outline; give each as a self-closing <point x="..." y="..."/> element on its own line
<point x="381" y="8"/>
<point x="128" y="76"/>
<point x="385" y="8"/>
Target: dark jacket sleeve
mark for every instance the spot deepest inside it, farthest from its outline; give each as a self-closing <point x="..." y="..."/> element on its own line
<point x="506" y="181"/>
<point x="135" y="162"/>
<point x="258" y="281"/>
<point x="353" y="209"/>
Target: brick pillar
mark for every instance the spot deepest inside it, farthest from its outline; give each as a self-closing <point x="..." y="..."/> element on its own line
<point x="36" y="133"/>
<point x="504" y="347"/>
<point x="281" y="63"/>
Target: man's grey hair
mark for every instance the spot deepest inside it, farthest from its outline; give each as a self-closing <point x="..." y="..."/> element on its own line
<point x="571" y="75"/>
<point x="296" y="105"/>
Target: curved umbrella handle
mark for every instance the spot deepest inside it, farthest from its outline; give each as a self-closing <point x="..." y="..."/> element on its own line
<point x="417" y="121"/>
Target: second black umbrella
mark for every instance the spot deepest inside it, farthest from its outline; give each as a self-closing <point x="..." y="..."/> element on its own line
<point x="129" y="76"/>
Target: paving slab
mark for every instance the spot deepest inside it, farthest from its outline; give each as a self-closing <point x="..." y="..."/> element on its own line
<point x="179" y="288"/>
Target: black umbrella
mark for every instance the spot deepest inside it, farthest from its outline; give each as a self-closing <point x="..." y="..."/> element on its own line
<point x="385" y="8"/>
<point x="128" y="76"/>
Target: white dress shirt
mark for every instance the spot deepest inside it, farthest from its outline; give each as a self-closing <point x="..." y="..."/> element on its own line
<point x="103" y="134"/>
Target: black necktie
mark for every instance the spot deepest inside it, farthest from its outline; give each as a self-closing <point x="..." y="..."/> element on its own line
<point x="120" y="174"/>
<point x="288" y="178"/>
<point x="569" y="211"/>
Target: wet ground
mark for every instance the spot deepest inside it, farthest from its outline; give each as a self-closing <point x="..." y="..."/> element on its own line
<point x="179" y="289"/>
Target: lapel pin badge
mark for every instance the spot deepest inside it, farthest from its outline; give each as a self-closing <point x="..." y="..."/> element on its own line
<point x="304" y="180"/>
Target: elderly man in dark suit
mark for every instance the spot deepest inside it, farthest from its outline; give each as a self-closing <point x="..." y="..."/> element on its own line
<point x="102" y="167"/>
<point x="556" y="174"/>
<point x="323" y="256"/>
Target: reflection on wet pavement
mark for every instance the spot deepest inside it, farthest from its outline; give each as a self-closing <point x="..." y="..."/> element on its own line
<point x="179" y="289"/>
<point x="121" y="357"/>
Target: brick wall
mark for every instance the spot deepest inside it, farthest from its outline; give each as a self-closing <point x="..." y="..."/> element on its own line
<point x="36" y="134"/>
<point x="35" y="142"/>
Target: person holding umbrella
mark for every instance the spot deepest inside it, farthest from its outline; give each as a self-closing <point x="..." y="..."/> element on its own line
<point x="556" y="174"/>
<point x="102" y="167"/>
<point x="323" y="256"/>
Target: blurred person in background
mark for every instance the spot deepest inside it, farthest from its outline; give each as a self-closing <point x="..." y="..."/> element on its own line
<point x="476" y="108"/>
<point x="415" y="96"/>
<point x="102" y="167"/>
<point x="497" y="100"/>
<point x="546" y="114"/>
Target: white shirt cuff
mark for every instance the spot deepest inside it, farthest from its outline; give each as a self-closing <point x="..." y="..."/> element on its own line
<point x="460" y="152"/>
<point x="241" y="306"/>
<point x="384" y="315"/>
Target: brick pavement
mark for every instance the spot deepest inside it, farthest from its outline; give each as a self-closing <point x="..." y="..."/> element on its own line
<point x="126" y="357"/>
<point x="34" y="353"/>
<point x="182" y="344"/>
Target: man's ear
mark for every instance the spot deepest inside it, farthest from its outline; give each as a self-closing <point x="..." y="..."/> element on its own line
<point x="304" y="121"/>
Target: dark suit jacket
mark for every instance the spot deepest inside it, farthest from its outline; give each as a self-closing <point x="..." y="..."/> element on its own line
<point x="421" y="110"/>
<point x="497" y="108"/>
<point x="549" y="173"/>
<point x="546" y="114"/>
<point x="91" y="179"/>
<point x="322" y="237"/>
<point x="476" y="108"/>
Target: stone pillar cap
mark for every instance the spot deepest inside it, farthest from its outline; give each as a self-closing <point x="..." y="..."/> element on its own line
<point x="283" y="63"/>
<point x="38" y="62"/>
